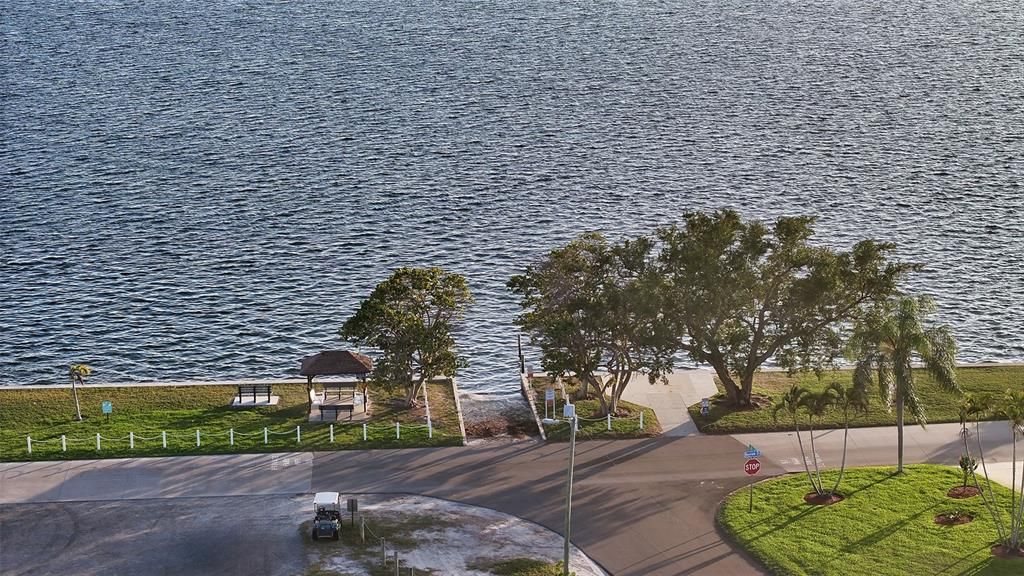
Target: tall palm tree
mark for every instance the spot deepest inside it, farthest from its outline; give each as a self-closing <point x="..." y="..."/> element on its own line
<point x="791" y="402"/>
<point x="852" y="400"/>
<point x="817" y="404"/>
<point x="78" y="373"/>
<point x="1012" y="409"/>
<point x="888" y="340"/>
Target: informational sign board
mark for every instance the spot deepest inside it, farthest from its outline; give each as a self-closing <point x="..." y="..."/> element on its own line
<point x="549" y="394"/>
<point x="108" y="406"/>
<point x="569" y="411"/>
<point x="705" y="406"/>
<point x="752" y="466"/>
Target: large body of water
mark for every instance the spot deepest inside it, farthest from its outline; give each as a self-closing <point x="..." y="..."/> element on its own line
<point x="201" y="190"/>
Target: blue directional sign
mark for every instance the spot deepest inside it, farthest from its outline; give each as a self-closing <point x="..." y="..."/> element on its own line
<point x="108" y="406"/>
<point x="751" y="452"/>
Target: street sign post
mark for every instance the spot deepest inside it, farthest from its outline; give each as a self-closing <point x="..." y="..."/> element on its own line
<point x="549" y="398"/>
<point x="751" y="452"/>
<point x="705" y="406"/>
<point x="108" y="407"/>
<point x="751" y="467"/>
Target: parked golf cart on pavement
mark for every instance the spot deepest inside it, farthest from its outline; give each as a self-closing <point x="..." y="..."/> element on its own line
<point x="327" y="515"/>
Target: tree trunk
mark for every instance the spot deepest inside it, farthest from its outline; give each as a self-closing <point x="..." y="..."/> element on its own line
<point x="74" y="392"/>
<point x="817" y="470"/>
<point x="414" y="391"/>
<point x="732" y="391"/>
<point x="803" y="455"/>
<point x="899" y="432"/>
<point x="990" y="498"/>
<point x="842" y="465"/>
<point x="1014" y="524"/>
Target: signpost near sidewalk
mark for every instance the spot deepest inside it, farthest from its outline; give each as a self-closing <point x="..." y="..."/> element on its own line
<point x="752" y="466"/>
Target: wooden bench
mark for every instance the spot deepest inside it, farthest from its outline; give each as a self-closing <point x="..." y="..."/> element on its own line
<point x="253" y="390"/>
<point x="336" y="409"/>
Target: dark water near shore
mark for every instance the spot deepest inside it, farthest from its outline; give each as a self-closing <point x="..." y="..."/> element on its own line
<point x="205" y="190"/>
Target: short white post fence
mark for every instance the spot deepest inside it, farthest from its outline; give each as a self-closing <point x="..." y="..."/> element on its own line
<point x="63" y="443"/>
<point x="163" y="437"/>
<point x="231" y="436"/>
<point x="197" y="439"/>
<point x="131" y="440"/>
<point x="265" y="436"/>
<point x="609" y="421"/>
<point x="398" y="430"/>
<point x="364" y="431"/>
<point x="29" y="440"/>
<point x="97" y="441"/>
<point x="298" y="434"/>
<point x="641" y="420"/>
<point x="332" y="433"/>
<point x="430" y="428"/>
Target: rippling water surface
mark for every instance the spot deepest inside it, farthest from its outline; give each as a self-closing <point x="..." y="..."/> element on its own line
<point x="205" y="190"/>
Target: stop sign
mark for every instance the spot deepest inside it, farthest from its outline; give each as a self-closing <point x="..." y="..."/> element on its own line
<point x="752" y="466"/>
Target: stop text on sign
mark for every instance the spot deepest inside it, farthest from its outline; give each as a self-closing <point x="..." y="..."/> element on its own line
<point x="752" y="466"/>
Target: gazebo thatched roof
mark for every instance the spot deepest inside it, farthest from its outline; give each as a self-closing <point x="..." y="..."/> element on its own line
<point x="336" y="363"/>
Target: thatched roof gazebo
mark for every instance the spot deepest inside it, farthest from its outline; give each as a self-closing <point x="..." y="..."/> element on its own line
<point x="336" y="363"/>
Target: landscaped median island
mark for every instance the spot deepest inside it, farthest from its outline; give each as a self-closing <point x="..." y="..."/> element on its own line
<point x="592" y="425"/>
<point x="886" y="524"/>
<point x="939" y="405"/>
<point x="143" y="415"/>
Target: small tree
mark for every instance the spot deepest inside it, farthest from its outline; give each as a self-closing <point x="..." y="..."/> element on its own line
<point x="410" y="317"/>
<point x="817" y="404"/>
<point x="791" y="403"/>
<point x="77" y="373"/>
<point x="887" y="340"/>
<point x="967" y="467"/>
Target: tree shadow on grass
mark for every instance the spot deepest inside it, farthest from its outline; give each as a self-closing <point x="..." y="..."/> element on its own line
<point x="887" y="531"/>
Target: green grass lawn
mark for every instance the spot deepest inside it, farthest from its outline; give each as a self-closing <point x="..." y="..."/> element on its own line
<point x="46" y="414"/>
<point x="592" y="425"/>
<point x="939" y="406"/>
<point x="885" y="526"/>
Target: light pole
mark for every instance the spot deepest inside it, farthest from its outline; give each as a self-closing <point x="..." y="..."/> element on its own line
<point x="569" y="412"/>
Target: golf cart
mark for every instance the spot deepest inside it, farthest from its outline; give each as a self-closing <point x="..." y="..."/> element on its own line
<point x="327" y="519"/>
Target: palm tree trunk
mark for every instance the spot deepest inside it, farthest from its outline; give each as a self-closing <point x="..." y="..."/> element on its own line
<point x="74" y="392"/>
<point x="842" y="465"/>
<point x="899" y="432"/>
<point x="803" y="455"/>
<point x="1019" y="512"/>
<point x="1014" y="529"/>
<point x="817" y="470"/>
<point x="989" y="498"/>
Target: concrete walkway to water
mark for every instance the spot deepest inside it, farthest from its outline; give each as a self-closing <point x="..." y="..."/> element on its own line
<point x="670" y="400"/>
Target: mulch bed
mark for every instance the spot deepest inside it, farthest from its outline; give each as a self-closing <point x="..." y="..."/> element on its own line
<point x="953" y="518"/>
<point x="500" y="426"/>
<point x="1004" y="552"/>
<point x="963" y="492"/>
<point x="819" y="500"/>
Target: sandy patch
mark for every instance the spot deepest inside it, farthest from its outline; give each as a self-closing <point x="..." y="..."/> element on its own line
<point x="463" y="535"/>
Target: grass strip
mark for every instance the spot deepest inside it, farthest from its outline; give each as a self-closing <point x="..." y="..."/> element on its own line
<point x="939" y="405"/>
<point x="885" y="526"/>
<point x="148" y="411"/>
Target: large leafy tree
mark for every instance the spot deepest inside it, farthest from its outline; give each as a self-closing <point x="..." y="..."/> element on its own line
<point x="410" y="317"/>
<point x="590" y="305"/>
<point x="743" y="292"/>
<point x="887" y="340"/>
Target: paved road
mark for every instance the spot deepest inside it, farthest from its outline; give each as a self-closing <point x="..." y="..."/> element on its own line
<point x="641" y="507"/>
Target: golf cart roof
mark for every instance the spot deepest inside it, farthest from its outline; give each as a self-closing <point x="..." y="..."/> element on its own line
<point x="324" y="498"/>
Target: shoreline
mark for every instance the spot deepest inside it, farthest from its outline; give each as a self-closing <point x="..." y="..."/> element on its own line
<point x="300" y="380"/>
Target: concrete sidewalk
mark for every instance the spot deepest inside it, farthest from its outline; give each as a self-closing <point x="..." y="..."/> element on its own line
<point x="670" y="400"/>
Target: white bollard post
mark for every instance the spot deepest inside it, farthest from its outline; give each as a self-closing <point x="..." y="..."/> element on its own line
<point x="430" y="428"/>
<point x="29" y="440"/>
<point x="265" y="436"/>
<point x="609" y="421"/>
<point x="298" y="435"/>
<point x="197" y="438"/>
<point x="231" y="436"/>
<point x="364" y="431"/>
<point x="163" y="437"/>
<point x="131" y="440"/>
<point x="97" y="441"/>
<point x="332" y="433"/>
<point x="398" y="430"/>
<point x="63" y="443"/>
<point x="641" y="420"/>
